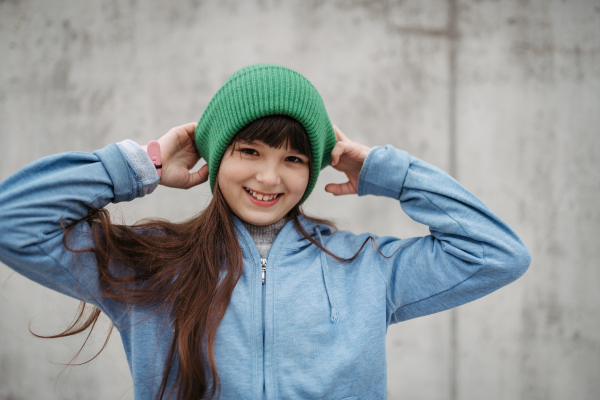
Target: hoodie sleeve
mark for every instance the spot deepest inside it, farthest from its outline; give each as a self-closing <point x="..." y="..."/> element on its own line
<point x="64" y="188"/>
<point x="470" y="252"/>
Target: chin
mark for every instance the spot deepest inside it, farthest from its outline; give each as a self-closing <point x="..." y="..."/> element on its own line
<point x="258" y="219"/>
<point x="261" y="220"/>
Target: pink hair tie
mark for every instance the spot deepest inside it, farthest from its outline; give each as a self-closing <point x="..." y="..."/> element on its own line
<point x="153" y="150"/>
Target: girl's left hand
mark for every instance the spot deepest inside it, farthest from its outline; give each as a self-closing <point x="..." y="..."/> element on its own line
<point x="348" y="157"/>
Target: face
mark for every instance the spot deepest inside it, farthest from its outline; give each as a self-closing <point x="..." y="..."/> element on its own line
<point x="255" y="172"/>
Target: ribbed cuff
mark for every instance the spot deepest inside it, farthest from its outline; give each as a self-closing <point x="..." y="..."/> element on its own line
<point x="141" y="162"/>
<point x="383" y="172"/>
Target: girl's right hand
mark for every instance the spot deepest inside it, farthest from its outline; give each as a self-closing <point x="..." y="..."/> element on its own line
<point x="179" y="154"/>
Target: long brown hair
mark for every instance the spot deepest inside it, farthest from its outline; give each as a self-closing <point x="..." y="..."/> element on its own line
<point x="176" y="267"/>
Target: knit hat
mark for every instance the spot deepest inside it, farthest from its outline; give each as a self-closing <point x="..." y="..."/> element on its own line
<point x="256" y="91"/>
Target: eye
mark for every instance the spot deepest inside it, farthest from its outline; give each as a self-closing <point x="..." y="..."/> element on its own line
<point x="250" y="152"/>
<point x="295" y="160"/>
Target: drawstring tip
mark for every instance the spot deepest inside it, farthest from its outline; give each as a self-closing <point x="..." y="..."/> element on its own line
<point x="334" y="315"/>
<point x="325" y="270"/>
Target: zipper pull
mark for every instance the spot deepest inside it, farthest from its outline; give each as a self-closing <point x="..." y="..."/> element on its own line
<point x="263" y="262"/>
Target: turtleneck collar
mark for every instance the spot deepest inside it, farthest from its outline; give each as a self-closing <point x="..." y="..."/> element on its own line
<point x="264" y="235"/>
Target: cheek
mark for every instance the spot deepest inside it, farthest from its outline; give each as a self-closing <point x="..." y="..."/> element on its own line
<point x="298" y="181"/>
<point x="227" y="181"/>
<point x="231" y="172"/>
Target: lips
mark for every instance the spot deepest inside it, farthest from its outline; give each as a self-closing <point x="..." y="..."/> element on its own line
<point x="263" y="203"/>
<point x="262" y="196"/>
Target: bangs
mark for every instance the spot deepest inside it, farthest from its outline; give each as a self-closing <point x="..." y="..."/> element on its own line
<point x="278" y="131"/>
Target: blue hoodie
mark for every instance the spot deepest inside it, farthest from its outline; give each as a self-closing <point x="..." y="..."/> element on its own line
<point x="324" y="321"/>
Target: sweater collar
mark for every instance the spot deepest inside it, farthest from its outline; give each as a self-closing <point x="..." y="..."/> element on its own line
<point x="264" y="233"/>
<point x="288" y="229"/>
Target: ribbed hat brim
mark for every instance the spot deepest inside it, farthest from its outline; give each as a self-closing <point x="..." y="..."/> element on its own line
<point x="257" y="91"/>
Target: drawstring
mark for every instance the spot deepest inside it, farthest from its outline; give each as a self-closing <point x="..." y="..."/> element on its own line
<point x="325" y="270"/>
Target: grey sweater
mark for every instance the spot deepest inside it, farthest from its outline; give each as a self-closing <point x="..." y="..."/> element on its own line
<point x="265" y="235"/>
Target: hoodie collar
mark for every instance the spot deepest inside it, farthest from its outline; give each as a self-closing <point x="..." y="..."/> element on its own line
<point x="292" y="235"/>
<point x="289" y="230"/>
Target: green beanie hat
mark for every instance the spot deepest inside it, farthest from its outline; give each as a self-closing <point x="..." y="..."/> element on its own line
<point x="256" y="91"/>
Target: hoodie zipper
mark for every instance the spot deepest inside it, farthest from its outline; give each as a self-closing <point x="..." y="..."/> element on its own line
<point x="263" y="262"/>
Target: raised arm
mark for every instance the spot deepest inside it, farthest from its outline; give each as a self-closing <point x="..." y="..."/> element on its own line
<point x="470" y="252"/>
<point x="64" y="188"/>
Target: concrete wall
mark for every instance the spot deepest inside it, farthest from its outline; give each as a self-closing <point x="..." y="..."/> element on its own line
<point x="504" y="95"/>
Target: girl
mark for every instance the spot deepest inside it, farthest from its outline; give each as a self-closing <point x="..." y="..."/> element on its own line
<point x="252" y="299"/>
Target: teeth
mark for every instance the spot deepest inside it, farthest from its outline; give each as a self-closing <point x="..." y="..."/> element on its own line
<point x="260" y="196"/>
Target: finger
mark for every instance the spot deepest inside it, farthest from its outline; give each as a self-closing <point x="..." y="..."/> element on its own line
<point x="198" y="177"/>
<point x="186" y="129"/>
<point x="183" y="131"/>
<point x="338" y="189"/>
<point x="337" y="136"/>
<point x="340" y="135"/>
<point x="190" y="127"/>
<point x="189" y="130"/>
<point x="192" y="136"/>
<point x="339" y="149"/>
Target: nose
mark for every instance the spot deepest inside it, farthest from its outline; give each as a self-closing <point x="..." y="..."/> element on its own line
<point x="268" y="175"/>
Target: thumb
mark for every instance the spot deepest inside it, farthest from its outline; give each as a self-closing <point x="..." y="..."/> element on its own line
<point x="338" y="189"/>
<point x="198" y="177"/>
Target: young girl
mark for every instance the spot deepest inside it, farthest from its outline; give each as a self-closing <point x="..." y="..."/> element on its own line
<point x="252" y="299"/>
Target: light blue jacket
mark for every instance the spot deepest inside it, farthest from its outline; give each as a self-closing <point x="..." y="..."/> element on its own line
<point x="324" y="321"/>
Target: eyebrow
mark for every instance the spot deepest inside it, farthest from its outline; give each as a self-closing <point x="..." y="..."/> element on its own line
<point x="248" y="142"/>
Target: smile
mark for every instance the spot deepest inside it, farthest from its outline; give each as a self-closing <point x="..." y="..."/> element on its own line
<point x="263" y="199"/>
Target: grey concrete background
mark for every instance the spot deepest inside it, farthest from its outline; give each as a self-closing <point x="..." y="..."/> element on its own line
<point x="503" y="95"/>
